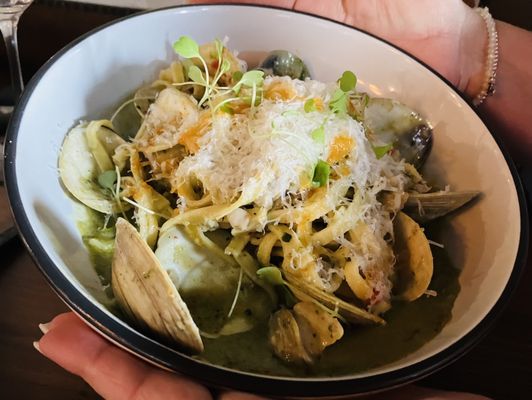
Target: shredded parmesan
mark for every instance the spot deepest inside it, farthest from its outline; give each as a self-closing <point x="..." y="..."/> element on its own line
<point x="266" y="155"/>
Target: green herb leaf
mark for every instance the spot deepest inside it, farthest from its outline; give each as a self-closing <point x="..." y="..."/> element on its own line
<point x="338" y="103"/>
<point x="195" y="74"/>
<point x="380" y="151"/>
<point x="272" y="275"/>
<point x="219" y="47"/>
<point x="290" y="113"/>
<point x="318" y="135"/>
<point x="237" y="75"/>
<point x="348" y="81"/>
<point x="252" y="77"/>
<point x="187" y="47"/>
<point x="321" y="174"/>
<point x="288" y="297"/>
<point x="107" y="179"/>
<point x="310" y="106"/>
<point x="248" y="99"/>
<point x="248" y="79"/>
<point x="226" y="66"/>
<point x="226" y="108"/>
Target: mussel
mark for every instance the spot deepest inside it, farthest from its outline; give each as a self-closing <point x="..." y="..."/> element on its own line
<point x="284" y="63"/>
<point x="389" y="121"/>
<point x="146" y="293"/>
<point x="424" y="207"/>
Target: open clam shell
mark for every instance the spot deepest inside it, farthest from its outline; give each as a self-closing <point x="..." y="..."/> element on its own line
<point x="414" y="266"/>
<point x="285" y="338"/>
<point x="146" y="293"/>
<point x="79" y="167"/>
<point x="390" y="121"/>
<point x="305" y="291"/>
<point x="424" y="207"/>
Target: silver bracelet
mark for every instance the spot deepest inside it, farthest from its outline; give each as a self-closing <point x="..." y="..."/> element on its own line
<point x="492" y="58"/>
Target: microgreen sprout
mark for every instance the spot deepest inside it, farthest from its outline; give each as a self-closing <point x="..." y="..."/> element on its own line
<point x="310" y="105"/>
<point x="271" y="275"/>
<point x="188" y="48"/>
<point x="126" y="103"/>
<point x="237" y="292"/>
<point x="116" y="193"/>
<point x="110" y="181"/>
<point x="338" y="103"/>
<point x="348" y="81"/>
<point x="107" y="179"/>
<point x="381" y="151"/>
<point x="340" y="98"/>
<point x="249" y="79"/>
<point x="318" y="134"/>
<point x="321" y="174"/>
<point x="226" y="108"/>
<point x="237" y="75"/>
<point x="195" y="74"/>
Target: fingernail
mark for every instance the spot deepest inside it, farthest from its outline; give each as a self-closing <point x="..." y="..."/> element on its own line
<point x="36" y="345"/>
<point x="44" y="327"/>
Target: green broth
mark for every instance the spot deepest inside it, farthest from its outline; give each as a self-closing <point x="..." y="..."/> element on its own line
<point x="408" y="327"/>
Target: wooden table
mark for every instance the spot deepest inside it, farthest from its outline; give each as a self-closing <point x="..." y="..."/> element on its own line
<point x="500" y="366"/>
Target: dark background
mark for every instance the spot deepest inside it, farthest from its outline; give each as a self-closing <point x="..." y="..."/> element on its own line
<point x="499" y="367"/>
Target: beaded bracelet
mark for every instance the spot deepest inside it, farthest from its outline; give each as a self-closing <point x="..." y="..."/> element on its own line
<point x="492" y="57"/>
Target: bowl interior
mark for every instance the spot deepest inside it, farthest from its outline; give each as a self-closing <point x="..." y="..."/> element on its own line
<point x="98" y="72"/>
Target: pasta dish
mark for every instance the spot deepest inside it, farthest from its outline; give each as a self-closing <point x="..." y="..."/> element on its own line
<point x="250" y="198"/>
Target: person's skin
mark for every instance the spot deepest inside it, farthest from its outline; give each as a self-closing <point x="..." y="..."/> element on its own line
<point x="117" y="375"/>
<point x="451" y="38"/>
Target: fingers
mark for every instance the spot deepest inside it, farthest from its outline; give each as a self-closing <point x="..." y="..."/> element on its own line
<point x="239" y="396"/>
<point x="333" y="9"/>
<point x="275" y="3"/>
<point x="411" y="392"/>
<point x="112" y="372"/>
<point x="117" y="375"/>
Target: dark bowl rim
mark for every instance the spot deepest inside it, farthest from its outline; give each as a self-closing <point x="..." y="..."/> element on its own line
<point x="220" y="377"/>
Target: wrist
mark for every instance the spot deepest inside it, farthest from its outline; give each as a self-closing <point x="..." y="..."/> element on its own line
<point x="473" y="53"/>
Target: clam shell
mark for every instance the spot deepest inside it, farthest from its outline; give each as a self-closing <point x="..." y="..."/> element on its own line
<point x="390" y="121"/>
<point x="79" y="173"/>
<point x="285" y="338"/>
<point x="424" y="207"/>
<point x="305" y="291"/>
<point x="414" y="265"/>
<point x="146" y="293"/>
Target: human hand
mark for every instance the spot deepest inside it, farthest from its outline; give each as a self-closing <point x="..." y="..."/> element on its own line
<point x="447" y="35"/>
<point x="116" y="374"/>
<point x="112" y="372"/>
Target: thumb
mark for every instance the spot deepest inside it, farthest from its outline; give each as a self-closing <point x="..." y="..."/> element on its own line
<point x="112" y="372"/>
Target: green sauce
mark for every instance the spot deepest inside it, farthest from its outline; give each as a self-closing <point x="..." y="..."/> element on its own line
<point x="98" y="238"/>
<point x="408" y="327"/>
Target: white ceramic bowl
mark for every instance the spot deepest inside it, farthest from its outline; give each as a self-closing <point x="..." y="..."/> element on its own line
<point x="95" y="72"/>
